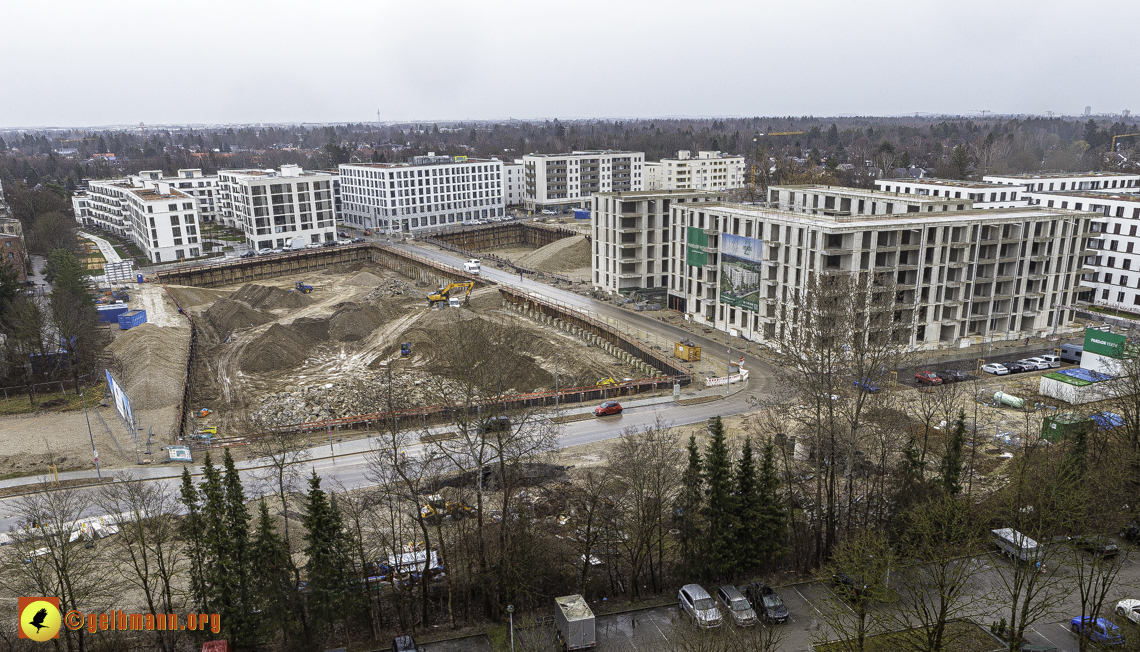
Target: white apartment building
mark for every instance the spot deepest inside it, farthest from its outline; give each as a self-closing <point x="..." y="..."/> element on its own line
<point x="429" y="192"/>
<point x="652" y="172"/>
<point x="101" y="206"/>
<point x="710" y="170"/>
<point x="515" y="186"/>
<point x="1061" y="181"/>
<point x="560" y="182"/>
<point x="632" y="247"/>
<point x="984" y="194"/>
<point x="971" y="275"/>
<point x="206" y="191"/>
<point x="274" y="209"/>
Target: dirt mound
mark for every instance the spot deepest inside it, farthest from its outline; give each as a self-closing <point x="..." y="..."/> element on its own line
<point x="277" y="349"/>
<point x="353" y="322"/>
<point x="312" y="330"/>
<point x="265" y="297"/>
<point x="190" y="297"/>
<point x="228" y="315"/>
<point x="558" y="256"/>
<point x="365" y="279"/>
<point x="153" y="359"/>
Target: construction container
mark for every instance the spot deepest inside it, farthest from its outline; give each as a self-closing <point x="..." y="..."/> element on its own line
<point x="131" y="319"/>
<point x="581" y="214"/>
<point x="1058" y="427"/>
<point x="575" y="623"/>
<point x="110" y="313"/>
<point x="687" y="351"/>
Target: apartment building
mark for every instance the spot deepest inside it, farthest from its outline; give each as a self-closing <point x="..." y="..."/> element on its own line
<point x="710" y="170"/>
<point x="632" y="247"/>
<point x="13" y="250"/>
<point x="275" y="208"/>
<point x="560" y="182"/>
<point x="515" y="186"/>
<point x="205" y="190"/>
<point x="146" y="208"/>
<point x="984" y="194"/>
<point x="1060" y="181"/>
<point x="426" y="193"/>
<point x="971" y="274"/>
<point x="652" y="172"/>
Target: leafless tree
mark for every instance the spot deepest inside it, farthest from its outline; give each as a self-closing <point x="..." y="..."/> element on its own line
<point x="865" y="558"/>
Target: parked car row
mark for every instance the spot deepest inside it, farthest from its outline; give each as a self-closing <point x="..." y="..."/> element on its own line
<point x="1025" y="364"/>
<point x="933" y="378"/>
<point x="757" y="602"/>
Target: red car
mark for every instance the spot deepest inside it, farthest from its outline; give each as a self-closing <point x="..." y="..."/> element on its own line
<point x="607" y="408"/>
<point x="927" y="378"/>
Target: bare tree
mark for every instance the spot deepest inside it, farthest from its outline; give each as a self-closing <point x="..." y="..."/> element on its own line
<point x="859" y="571"/>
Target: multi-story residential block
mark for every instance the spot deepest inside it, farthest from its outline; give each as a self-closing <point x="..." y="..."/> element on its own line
<point x="631" y="237"/>
<point x="559" y="182"/>
<point x="515" y="186"/>
<point x="427" y="193"/>
<point x="963" y="274"/>
<point x="710" y="170"/>
<point x="1060" y="181"/>
<point x="652" y="171"/>
<point x="984" y="194"/>
<point x="13" y="250"/>
<point x="274" y="209"/>
<point x="205" y="189"/>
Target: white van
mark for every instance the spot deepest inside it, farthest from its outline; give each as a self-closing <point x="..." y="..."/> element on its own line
<point x="472" y="266"/>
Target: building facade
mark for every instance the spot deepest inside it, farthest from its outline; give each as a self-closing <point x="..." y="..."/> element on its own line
<point x="560" y="182"/>
<point x="275" y="209"/>
<point x="710" y="170"/>
<point x="984" y="194"/>
<point x="1061" y="181"/>
<point x="515" y="183"/>
<point x="204" y="189"/>
<point x="13" y="250"/>
<point x="427" y="193"/>
<point x="965" y="274"/>
<point x="631" y="237"/>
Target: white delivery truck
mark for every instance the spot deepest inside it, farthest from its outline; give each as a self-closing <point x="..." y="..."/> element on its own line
<point x="1017" y="546"/>
<point x="297" y="243"/>
<point x="472" y="266"/>
<point x="575" y="623"/>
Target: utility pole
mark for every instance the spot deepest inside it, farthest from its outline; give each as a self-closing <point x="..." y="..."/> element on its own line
<point x="94" y="453"/>
<point x="728" y="376"/>
<point x="556" y="356"/>
<point x="328" y="421"/>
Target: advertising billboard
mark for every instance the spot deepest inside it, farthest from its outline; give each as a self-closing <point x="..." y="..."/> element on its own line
<point x="1104" y="343"/>
<point x="122" y="403"/>
<point x="740" y="271"/>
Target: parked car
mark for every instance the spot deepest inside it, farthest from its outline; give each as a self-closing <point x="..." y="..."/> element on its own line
<point x="737" y="606"/>
<point x="405" y="644"/>
<point x="607" y="408"/>
<point x="1098" y="546"/>
<point x="1130" y="609"/>
<point x="1054" y="361"/>
<point x="852" y="587"/>
<point x="767" y="602"/>
<point x="357" y="239"/>
<point x="1014" y="367"/>
<point x="995" y="368"/>
<point x="1034" y="363"/>
<point x="1131" y="532"/>
<point x="1072" y="353"/>
<point x="867" y="386"/>
<point x="264" y="252"/>
<point x="495" y="424"/>
<point x="248" y="254"/>
<point x="329" y="243"/>
<point x="1101" y="630"/>
<point x="927" y="378"/>
<point x="956" y="375"/>
<point x="695" y="601"/>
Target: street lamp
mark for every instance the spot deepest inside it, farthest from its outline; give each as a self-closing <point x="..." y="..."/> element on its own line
<point x="556" y="356"/>
<point x="511" y="613"/>
<point x="94" y="453"/>
<point x="328" y="420"/>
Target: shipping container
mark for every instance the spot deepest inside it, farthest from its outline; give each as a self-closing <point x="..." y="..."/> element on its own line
<point x="687" y="351"/>
<point x="129" y="320"/>
<point x="575" y="623"/>
<point x="110" y="313"/>
<point x="1061" y="426"/>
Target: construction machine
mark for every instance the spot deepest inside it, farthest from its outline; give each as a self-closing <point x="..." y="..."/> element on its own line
<point x="437" y="508"/>
<point x="302" y="288"/>
<point x="444" y="293"/>
<point x="405" y="348"/>
<point x="606" y="381"/>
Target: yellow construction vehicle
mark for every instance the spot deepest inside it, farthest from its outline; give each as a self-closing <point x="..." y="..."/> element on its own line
<point x="606" y="381"/>
<point x="437" y="508"/>
<point x="444" y="293"/>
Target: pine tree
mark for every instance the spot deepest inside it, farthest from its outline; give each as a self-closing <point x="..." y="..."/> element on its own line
<point x="329" y="568"/>
<point x="274" y="593"/>
<point x="236" y="537"/>
<point x="749" y="512"/>
<point x="193" y="532"/>
<point x="720" y="506"/>
<point x="951" y="468"/>
<point x="772" y="531"/>
<point x="689" y="508"/>
<point x="959" y="161"/>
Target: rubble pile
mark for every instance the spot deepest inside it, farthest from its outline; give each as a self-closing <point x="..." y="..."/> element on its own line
<point x="388" y="288"/>
<point x="366" y="395"/>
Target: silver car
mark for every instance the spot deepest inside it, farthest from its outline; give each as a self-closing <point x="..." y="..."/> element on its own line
<point x="695" y="601"/>
<point x="737" y="606"/>
<point x="1037" y="363"/>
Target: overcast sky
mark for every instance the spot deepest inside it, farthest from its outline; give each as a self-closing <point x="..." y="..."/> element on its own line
<point x="109" y="62"/>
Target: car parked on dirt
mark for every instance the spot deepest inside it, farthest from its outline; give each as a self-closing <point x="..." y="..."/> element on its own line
<point x="1054" y="361"/>
<point x="995" y="368"/>
<point x="608" y="408"/>
<point x="927" y="378"/>
<point x="1100" y="630"/>
<point x="736" y="605"/>
<point x="953" y="376"/>
<point x="1014" y="367"/>
<point x="767" y="603"/>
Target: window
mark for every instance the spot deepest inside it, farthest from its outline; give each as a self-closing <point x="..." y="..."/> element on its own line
<point x="174" y="220"/>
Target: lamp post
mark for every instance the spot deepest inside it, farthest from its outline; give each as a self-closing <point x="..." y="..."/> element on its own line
<point x="94" y="453"/>
<point x="556" y="356"/>
<point x="511" y="613"/>
<point x="328" y="420"/>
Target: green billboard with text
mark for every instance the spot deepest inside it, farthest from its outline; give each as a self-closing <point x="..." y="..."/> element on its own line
<point x="1104" y="343"/>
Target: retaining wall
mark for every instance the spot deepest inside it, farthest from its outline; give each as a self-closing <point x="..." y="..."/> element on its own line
<point x="504" y="235"/>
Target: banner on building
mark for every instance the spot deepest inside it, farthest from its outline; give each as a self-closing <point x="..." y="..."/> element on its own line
<point x="1104" y="343"/>
<point x="122" y="403"/>
<point x="740" y="271"/>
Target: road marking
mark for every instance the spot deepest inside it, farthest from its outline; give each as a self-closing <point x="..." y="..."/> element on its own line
<point x="810" y="603"/>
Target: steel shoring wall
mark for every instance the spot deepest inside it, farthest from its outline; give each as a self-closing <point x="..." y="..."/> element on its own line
<point x="504" y="235"/>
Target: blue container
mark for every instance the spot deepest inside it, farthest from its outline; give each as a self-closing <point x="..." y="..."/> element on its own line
<point x="140" y="277"/>
<point x="580" y="214"/>
<point x="110" y="314"/>
<point x="129" y="320"/>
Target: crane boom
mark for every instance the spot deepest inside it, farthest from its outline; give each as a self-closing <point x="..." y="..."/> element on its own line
<point x="1113" y="146"/>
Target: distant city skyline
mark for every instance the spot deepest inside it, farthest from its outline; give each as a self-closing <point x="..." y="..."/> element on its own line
<point x="80" y="64"/>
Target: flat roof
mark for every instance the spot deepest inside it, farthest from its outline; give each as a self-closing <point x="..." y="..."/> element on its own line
<point x="896" y="220"/>
<point x="1061" y="175"/>
<point x="1091" y="194"/>
<point x="419" y="165"/>
<point x="954" y="183"/>
<point x="653" y="193"/>
<point x="866" y="192"/>
<point x="588" y="152"/>
<point x="152" y="194"/>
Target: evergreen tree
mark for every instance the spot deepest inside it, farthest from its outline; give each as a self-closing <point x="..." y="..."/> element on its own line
<point x="236" y="537"/>
<point x="67" y="273"/>
<point x="329" y="568"/>
<point x="274" y="592"/>
<point x="951" y="468"/>
<point x="720" y="506"/>
<point x="749" y="512"/>
<point x="689" y="508"/>
<point x="773" y="520"/>
<point x="193" y="532"/>
<point x="959" y="161"/>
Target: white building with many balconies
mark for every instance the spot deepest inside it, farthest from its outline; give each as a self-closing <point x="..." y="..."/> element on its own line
<point x="560" y="182"/>
<point x="275" y="209"/>
<point x="710" y="170"/>
<point x="984" y="194"/>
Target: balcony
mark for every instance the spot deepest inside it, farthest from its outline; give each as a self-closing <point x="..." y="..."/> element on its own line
<point x="1029" y="313"/>
<point x="957" y="264"/>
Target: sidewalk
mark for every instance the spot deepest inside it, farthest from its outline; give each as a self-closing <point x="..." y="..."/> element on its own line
<point x="105" y="247"/>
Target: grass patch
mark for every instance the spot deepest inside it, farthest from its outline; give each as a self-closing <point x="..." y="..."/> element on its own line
<point x="51" y="401"/>
<point x="1112" y="312"/>
<point x="961" y="636"/>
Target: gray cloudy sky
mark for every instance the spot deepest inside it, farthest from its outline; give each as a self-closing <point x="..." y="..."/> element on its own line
<point x="88" y="63"/>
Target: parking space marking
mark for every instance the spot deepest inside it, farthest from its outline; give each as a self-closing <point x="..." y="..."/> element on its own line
<point x="810" y="603"/>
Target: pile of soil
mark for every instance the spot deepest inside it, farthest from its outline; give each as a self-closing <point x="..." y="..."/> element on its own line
<point x="561" y="255"/>
<point x="228" y="315"/>
<point x="313" y="330"/>
<point x="365" y="279"/>
<point x="264" y="297"/>
<point x="191" y="297"/>
<point x="154" y="360"/>
<point x="353" y="322"/>
<point x="277" y="349"/>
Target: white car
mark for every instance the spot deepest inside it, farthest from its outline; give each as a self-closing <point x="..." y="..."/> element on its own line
<point x="1053" y="360"/>
<point x="1041" y="364"/>
<point x="693" y="600"/>
<point x="994" y="368"/>
<point x="1130" y="609"/>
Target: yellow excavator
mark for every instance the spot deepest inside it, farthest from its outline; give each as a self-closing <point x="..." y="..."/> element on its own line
<point x="451" y="291"/>
<point x="606" y="381"/>
<point x="437" y="508"/>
